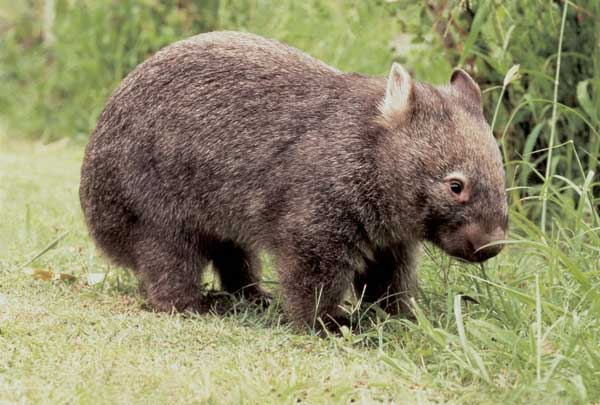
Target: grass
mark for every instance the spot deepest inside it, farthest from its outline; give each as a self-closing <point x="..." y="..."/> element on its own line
<point x="524" y="328"/>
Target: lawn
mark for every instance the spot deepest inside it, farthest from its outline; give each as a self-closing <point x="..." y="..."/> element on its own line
<point x="74" y="329"/>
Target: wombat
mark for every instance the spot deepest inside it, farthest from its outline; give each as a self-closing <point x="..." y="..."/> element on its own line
<point x="227" y="144"/>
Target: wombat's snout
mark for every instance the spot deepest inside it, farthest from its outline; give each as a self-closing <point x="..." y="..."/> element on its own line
<point x="477" y="238"/>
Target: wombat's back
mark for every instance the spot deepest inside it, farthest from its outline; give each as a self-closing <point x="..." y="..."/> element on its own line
<point x="220" y="132"/>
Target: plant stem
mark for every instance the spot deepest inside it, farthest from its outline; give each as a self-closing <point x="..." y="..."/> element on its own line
<point x="553" y="122"/>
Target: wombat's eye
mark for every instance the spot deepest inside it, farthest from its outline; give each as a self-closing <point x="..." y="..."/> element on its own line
<point x="456" y="186"/>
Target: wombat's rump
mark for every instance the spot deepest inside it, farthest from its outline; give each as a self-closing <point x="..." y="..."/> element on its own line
<point x="225" y="144"/>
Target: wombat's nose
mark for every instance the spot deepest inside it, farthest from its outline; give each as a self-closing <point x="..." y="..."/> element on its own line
<point x="479" y="240"/>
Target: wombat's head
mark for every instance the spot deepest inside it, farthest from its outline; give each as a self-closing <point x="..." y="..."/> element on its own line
<point x="451" y="163"/>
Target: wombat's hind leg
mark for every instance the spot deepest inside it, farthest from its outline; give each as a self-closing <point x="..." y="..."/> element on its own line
<point x="170" y="273"/>
<point x="238" y="269"/>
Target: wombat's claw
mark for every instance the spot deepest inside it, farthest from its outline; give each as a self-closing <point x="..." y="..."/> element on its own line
<point x="259" y="297"/>
<point x="263" y="299"/>
<point x="332" y="325"/>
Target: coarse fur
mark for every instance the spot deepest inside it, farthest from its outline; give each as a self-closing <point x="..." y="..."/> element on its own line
<point x="226" y="144"/>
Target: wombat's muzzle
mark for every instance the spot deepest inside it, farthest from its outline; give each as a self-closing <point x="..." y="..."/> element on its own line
<point x="483" y="245"/>
<point x="473" y="242"/>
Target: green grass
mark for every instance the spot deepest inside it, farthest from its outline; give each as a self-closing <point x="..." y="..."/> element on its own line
<point x="532" y="335"/>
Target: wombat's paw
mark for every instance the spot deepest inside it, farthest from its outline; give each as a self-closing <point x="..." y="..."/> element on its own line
<point x="391" y="307"/>
<point x="198" y="306"/>
<point x="194" y="306"/>
<point x="260" y="298"/>
<point x="223" y="302"/>
<point x="331" y="325"/>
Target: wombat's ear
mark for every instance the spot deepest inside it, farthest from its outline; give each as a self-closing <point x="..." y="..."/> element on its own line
<point x="462" y="82"/>
<point x="399" y="89"/>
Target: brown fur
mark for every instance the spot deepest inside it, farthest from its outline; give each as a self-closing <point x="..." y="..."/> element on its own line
<point x="225" y="144"/>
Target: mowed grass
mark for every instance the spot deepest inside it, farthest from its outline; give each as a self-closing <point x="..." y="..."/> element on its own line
<point x="525" y="328"/>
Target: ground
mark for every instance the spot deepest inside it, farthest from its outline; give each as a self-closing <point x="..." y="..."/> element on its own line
<point x="73" y="328"/>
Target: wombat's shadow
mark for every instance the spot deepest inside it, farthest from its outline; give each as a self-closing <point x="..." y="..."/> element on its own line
<point x="266" y="314"/>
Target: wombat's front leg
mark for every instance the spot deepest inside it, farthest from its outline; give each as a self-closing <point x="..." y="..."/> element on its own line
<point x="239" y="270"/>
<point x="170" y="271"/>
<point x="314" y="279"/>
<point x="390" y="279"/>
